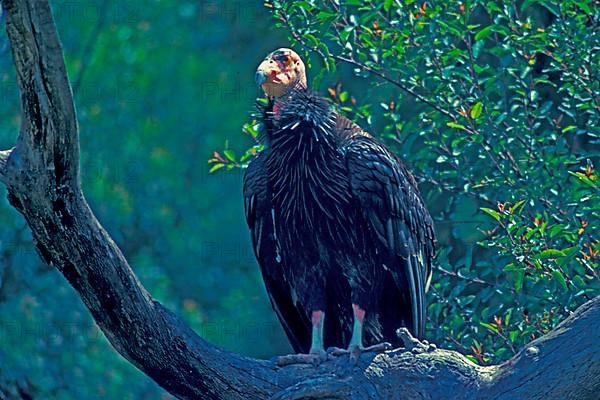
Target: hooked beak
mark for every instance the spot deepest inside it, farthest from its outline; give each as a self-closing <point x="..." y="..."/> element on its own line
<point x="260" y="77"/>
<point x="265" y="72"/>
<point x="267" y="78"/>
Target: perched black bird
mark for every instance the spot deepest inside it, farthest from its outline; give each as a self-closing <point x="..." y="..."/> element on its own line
<point x="339" y="229"/>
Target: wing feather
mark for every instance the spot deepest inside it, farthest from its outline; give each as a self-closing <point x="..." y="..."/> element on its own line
<point x="259" y="217"/>
<point x="389" y="198"/>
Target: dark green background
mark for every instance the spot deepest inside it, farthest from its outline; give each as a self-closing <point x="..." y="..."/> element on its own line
<point x="158" y="85"/>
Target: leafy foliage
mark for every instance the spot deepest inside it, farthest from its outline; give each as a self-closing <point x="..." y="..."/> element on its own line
<point x="496" y="105"/>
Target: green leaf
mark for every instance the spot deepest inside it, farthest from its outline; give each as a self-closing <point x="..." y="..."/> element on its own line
<point x="560" y="278"/>
<point x="556" y="229"/>
<point x="252" y="128"/>
<point x="251" y="152"/>
<point x="549" y="253"/>
<point x="472" y="359"/>
<point x="326" y="16"/>
<point x="216" y="167"/>
<point x="493" y="213"/>
<point x="512" y="267"/>
<point x="568" y="128"/>
<point x="485" y="32"/>
<point x="507" y="317"/>
<point x="491" y="327"/>
<point x="579" y="282"/>
<point x="457" y="126"/>
<point x="518" y="204"/>
<point x="476" y="110"/>
<point x="387" y="4"/>
<point x="230" y="155"/>
<point x="531" y="232"/>
<point x="585" y="179"/>
<point x="570" y="253"/>
<point x="584" y="7"/>
<point x="304" y="4"/>
<point x="519" y="276"/>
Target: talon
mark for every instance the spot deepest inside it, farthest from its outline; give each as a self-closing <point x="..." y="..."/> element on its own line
<point x="378" y="348"/>
<point x="355" y="351"/>
<point x="336" y="351"/>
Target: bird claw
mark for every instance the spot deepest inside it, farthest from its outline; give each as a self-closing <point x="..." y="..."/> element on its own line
<point x="310" y="358"/>
<point x="336" y="351"/>
<point x="378" y="348"/>
<point x="354" y="352"/>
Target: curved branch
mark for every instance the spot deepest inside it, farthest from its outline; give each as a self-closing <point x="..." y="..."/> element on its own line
<point x="46" y="100"/>
<point x="41" y="174"/>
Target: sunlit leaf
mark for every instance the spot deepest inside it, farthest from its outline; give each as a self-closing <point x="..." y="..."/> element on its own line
<point x="549" y="253"/>
<point x="456" y="125"/>
<point x="476" y="110"/>
<point x="560" y="278"/>
<point x="493" y="213"/>
<point x="230" y="155"/>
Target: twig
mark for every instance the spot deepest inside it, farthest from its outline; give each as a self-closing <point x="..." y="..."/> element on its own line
<point x="466" y="278"/>
<point x="403" y="87"/>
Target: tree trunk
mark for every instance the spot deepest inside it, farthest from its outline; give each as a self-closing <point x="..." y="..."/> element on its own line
<point x="42" y="176"/>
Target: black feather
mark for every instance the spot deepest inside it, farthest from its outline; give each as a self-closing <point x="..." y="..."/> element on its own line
<point x="336" y="219"/>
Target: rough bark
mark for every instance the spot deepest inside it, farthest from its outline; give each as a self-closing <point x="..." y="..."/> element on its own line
<point x="42" y="177"/>
<point x="16" y="389"/>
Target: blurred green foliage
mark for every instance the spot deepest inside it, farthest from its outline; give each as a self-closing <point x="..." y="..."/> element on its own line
<point x="501" y="152"/>
<point x="157" y="86"/>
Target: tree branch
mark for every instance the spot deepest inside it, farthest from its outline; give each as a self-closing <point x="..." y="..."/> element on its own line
<point x="42" y="177"/>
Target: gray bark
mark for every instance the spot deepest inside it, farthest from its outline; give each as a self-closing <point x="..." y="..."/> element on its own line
<point x="42" y="176"/>
<point x="16" y="389"/>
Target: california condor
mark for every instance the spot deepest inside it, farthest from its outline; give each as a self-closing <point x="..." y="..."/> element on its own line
<point x="342" y="236"/>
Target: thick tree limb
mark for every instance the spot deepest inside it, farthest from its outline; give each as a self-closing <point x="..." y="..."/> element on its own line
<point x="42" y="177"/>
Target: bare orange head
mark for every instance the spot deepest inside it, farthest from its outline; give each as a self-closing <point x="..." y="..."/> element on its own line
<point x="280" y="71"/>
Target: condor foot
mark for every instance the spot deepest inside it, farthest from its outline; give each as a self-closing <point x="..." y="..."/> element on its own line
<point x="355" y="351"/>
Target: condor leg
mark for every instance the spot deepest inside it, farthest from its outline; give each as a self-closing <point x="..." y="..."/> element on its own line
<point x="317" y="352"/>
<point x="356" y="347"/>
